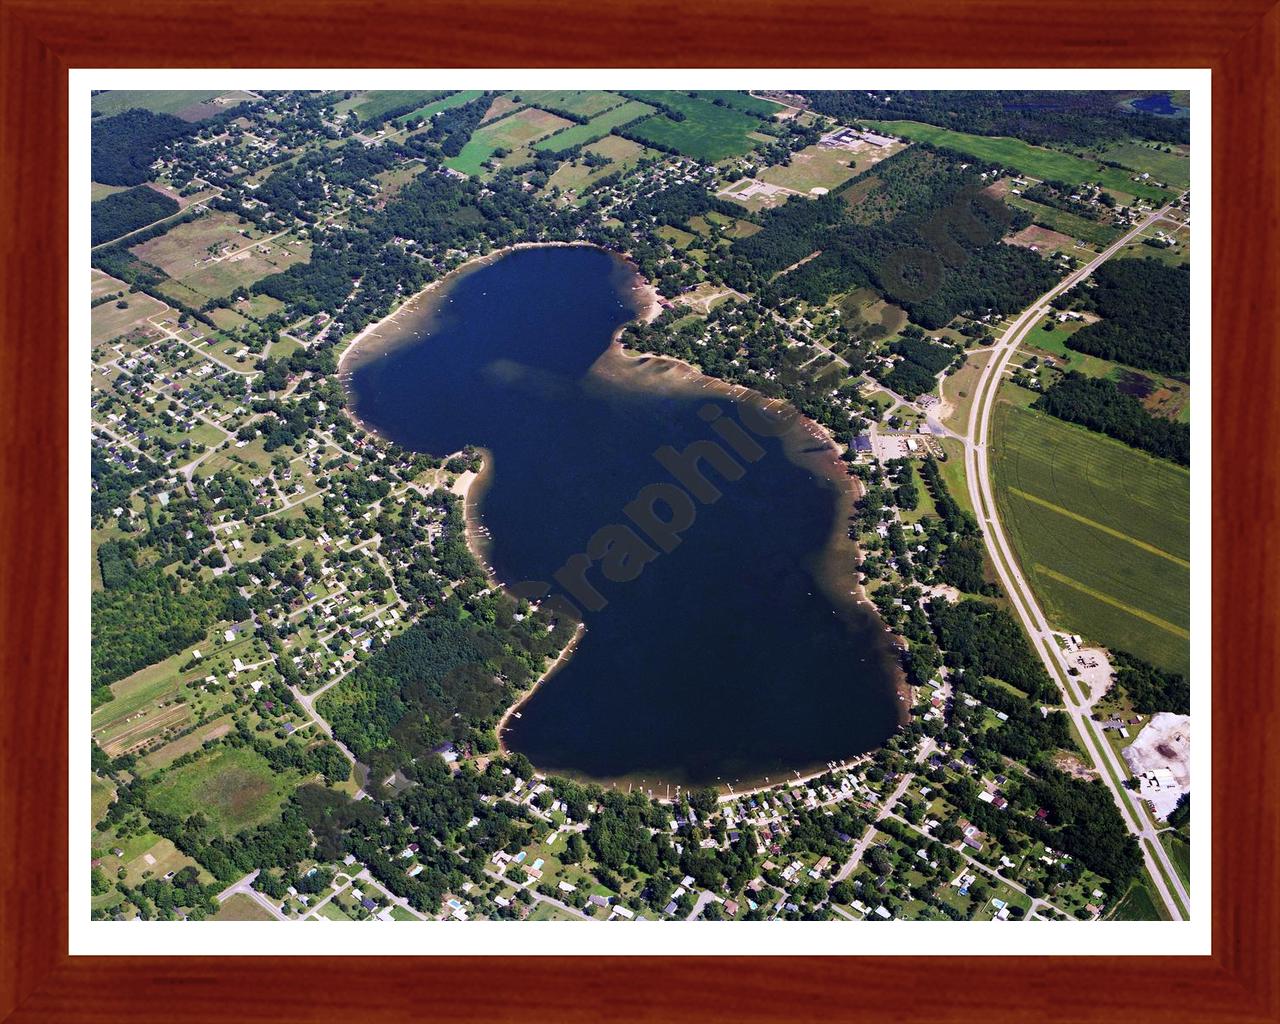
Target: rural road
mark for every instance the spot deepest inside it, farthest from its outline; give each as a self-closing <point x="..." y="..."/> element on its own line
<point x="982" y="496"/>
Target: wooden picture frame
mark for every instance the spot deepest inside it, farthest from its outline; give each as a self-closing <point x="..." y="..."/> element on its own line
<point x="41" y="39"/>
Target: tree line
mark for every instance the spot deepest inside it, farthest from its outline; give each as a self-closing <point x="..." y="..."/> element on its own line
<point x="1097" y="403"/>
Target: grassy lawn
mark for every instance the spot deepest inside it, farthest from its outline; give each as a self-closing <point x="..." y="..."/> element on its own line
<point x="241" y="906"/>
<point x="958" y="390"/>
<point x="333" y="911"/>
<point x="952" y="471"/>
<point x="680" y="239"/>
<point x="812" y="167"/>
<point x="1035" y="161"/>
<point x="926" y="506"/>
<point x="550" y="912"/>
<point x="707" y="132"/>
<point x="1101" y="530"/>
<point x="511" y="132"/>
<point x="99" y="191"/>
<point x="1171" y="168"/>
<point x="234" y="787"/>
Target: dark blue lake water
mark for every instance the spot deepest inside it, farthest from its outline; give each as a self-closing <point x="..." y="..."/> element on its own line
<point x="740" y="654"/>
<point x="1159" y="103"/>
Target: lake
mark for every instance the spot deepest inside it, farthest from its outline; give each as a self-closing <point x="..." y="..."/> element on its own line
<point x="739" y="655"/>
<point x="1159" y="103"/>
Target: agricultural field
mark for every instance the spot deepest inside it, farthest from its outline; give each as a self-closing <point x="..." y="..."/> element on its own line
<point x="1102" y="532"/>
<point x="597" y="128"/>
<point x="429" y="110"/>
<point x="101" y="795"/>
<point x="108" y="321"/>
<point x="584" y="103"/>
<point x="1022" y="156"/>
<point x="1099" y="235"/>
<point x="218" y="279"/>
<point x="622" y="152"/>
<point x="164" y="697"/>
<point x="1139" y="903"/>
<point x="183" y="247"/>
<point x="1043" y="240"/>
<point x="179" y="102"/>
<point x="511" y="132"/>
<point x="743" y="101"/>
<point x="1171" y="168"/>
<point x="234" y="787"/>
<point x="373" y="105"/>
<point x="707" y="133"/>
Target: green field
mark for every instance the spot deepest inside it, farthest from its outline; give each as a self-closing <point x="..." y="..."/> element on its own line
<point x="743" y="101"/>
<point x="1139" y="903"/>
<point x="434" y="107"/>
<point x="812" y="167"/>
<point x="159" y="101"/>
<point x="234" y="787"/>
<point x="584" y="103"/>
<point x="623" y="154"/>
<point x="102" y="793"/>
<point x="707" y="132"/>
<point x="240" y="906"/>
<point x="374" y="105"/>
<point x="1069" y="224"/>
<point x="1032" y="160"/>
<point x="510" y="132"/>
<point x="1171" y="168"/>
<point x="1169" y="398"/>
<point x="596" y="128"/>
<point x="1179" y="851"/>
<point x="1101" y="531"/>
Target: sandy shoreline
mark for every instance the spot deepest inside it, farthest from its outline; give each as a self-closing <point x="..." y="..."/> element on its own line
<point x="561" y="658"/>
<point x="649" y="312"/>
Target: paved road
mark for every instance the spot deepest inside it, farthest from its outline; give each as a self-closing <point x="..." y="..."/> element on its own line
<point x="982" y="495"/>
<point x="245" y="885"/>
<point x="886" y="808"/>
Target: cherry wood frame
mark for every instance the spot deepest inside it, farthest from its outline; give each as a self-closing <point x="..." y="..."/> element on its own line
<point x="41" y="39"/>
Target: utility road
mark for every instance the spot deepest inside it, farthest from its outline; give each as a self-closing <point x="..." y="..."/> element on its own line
<point x="982" y="495"/>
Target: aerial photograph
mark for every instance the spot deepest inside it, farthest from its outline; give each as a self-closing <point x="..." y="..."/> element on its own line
<point x="690" y="505"/>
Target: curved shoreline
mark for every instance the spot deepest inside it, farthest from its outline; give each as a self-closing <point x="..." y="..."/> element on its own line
<point x="648" y="312"/>
<point x="647" y="309"/>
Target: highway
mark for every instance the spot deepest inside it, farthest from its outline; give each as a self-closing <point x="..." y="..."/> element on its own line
<point x="982" y="495"/>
